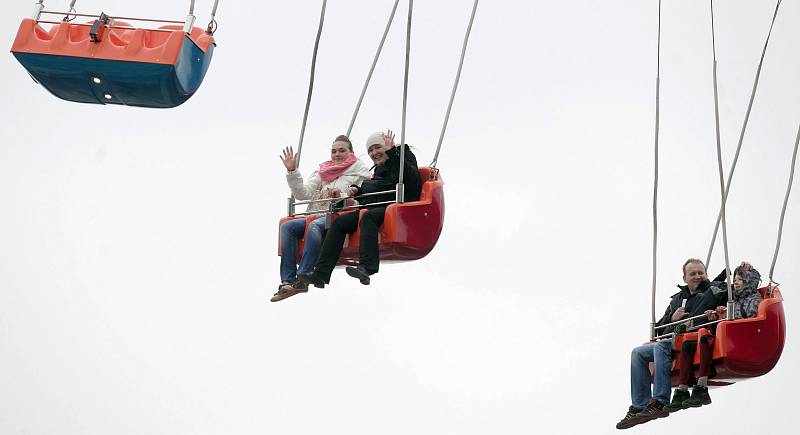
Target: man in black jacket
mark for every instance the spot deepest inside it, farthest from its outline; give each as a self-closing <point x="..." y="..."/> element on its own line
<point x="386" y="156"/>
<point x="688" y="302"/>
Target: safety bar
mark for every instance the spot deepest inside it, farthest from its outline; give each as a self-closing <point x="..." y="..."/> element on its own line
<point x="110" y="27"/>
<point x="291" y="202"/>
<point x="714" y="322"/>
<point x="154" y="20"/>
<point x="680" y="321"/>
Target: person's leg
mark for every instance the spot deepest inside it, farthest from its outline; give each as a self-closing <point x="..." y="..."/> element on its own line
<point x="312" y="245"/>
<point x="333" y="243"/>
<point x="369" y="254"/>
<point x="641" y="357"/>
<point x="706" y="350"/>
<point x="291" y="232"/>
<point x="686" y="370"/>
<point x="700" y="394"/>
<point x="687" y="362"/>
<point x="662" y="368"/>
<point x="641" y="409"/>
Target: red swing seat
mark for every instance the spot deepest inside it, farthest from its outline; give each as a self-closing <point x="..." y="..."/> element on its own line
<point x="410" y="230"/>
<point x="743" y="348"/>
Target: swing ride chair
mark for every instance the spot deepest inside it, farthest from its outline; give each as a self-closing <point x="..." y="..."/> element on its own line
<point x="410" y="230"/>
<point x="743" y="348"/>
<point x="106" y="60"/>
<point x="747" y="347"/>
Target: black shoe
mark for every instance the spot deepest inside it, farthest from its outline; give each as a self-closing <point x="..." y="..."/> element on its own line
<point x="626" y="422"/>
<point x="358" y="272"/>
<point x="678" y="398"/>
<point x="699" y="398"/>
<point x="311" y="278"/>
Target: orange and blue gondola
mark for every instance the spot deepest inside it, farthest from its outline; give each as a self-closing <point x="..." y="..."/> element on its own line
<point x="114" y="63"/>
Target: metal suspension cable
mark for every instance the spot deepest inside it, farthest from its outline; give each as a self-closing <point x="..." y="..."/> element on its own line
<point x="310" y="83"/>
<point x="372" y="68"/>
<point x="214" y="9"/>
<point x="455" y="85"/>
<point x="68" y="18"/>
<point x="212" y="23"/>
<point x="783" y="211"/>
<point x="719" y="161"/>
<point x="400" y="192"/>
<point x="741" y="136"/>
<point x="655" y="179"/>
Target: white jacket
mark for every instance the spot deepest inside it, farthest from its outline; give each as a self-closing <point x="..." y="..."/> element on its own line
<point x="315" y="188"/>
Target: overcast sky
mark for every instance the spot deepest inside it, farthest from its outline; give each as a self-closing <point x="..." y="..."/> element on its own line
<point x="138" y="246"/>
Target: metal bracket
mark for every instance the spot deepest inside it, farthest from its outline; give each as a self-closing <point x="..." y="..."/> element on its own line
<point x="99" y="27"/>
<point x="399" y="193"/>
<point x="290" y="206"/>
<point x="37" y="10"/>
<point x="188" y="24"/>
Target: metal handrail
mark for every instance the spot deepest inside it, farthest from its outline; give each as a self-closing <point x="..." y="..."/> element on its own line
<point x="110" y="27"/>
<point x="153" y="20"/>
<point x="713" y="322"/>
<point x="678" y="322"/>
<point x="292" y="203"/>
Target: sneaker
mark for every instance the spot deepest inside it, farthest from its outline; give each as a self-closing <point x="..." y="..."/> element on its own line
<point x="654" y="410"/>
<point x="677" y="401"/>
<point x="699" y="398"/>
<point x="627" y="421"/>
<point x="296" y="286"/>
<point x="358" y="272"/>
<point x="311" y="278"/>
<point x="289" y="290"/>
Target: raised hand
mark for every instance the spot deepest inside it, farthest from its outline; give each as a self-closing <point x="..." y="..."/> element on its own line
<point x="289" y="159"/>
<point x="388" y="140"/>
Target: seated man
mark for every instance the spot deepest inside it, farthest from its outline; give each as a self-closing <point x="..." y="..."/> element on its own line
<point x="386" y="156"/>
<point x="647" y="405"/>
<point x="747" y="298"/>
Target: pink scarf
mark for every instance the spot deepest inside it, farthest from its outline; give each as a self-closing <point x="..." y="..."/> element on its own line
<point x="330" y="171"/>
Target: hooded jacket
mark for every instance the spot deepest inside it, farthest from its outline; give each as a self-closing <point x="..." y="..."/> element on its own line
<point x="747" y="298"/>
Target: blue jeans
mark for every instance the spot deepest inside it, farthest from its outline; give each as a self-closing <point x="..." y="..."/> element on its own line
<point x="660" y="354"/>
<point x="291" y="233"/>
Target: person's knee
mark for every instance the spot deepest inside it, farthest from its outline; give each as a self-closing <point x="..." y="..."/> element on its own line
<point x="316" y="228"/>
<point x="639" y="353"/>
<point x="286" y="229"/>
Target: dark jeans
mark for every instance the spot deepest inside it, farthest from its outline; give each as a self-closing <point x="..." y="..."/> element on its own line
<point x="368" y="254"/>
<point x="686" y="376"/>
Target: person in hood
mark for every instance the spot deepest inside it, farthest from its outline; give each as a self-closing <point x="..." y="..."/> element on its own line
<point x="333" y="178"/>
<point x="647" y="405"/>
<point x="746" y="296"/>
<point x="386" y="156"/>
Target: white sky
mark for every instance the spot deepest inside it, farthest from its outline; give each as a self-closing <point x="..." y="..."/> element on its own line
<point x="138" y="247"/>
